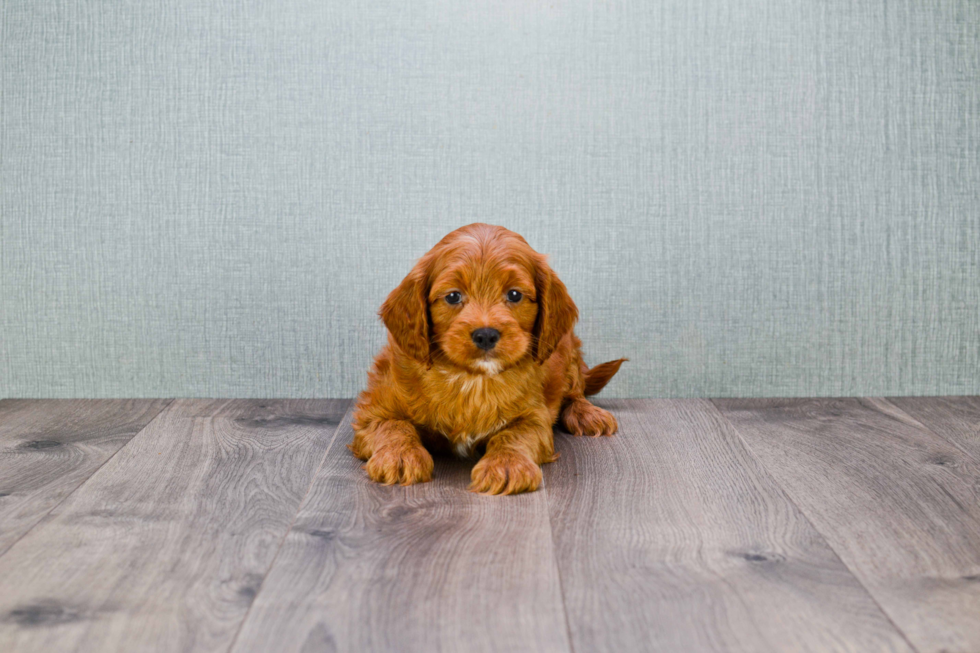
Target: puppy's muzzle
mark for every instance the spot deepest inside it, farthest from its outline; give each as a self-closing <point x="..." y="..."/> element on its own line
<point x="485" y="338"/>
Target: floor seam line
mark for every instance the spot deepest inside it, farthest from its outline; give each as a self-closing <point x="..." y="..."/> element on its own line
<point x="554" y="558"/>
<point x="928" y="429"/>
<point x="805" y="516"/>
<point x="87" y="478"/>
<point x="299" y="509"/>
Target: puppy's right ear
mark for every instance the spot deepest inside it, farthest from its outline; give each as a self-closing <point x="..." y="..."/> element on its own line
<point x="406" y="313"/>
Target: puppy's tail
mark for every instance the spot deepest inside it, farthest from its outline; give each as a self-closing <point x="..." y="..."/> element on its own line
<point x="597" y="377"/>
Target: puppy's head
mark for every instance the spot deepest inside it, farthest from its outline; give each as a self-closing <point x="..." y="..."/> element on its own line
<point x="482" y="298"/>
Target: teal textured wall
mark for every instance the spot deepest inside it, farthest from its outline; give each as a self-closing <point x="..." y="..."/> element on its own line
<point x="768" y="197"/>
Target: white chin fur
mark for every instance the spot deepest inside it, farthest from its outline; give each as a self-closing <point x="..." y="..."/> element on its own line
<point x="490" y="367"/>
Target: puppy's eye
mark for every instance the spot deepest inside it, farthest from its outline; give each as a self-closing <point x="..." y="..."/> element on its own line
<point x="454" y="297"/>
<point x="514" y="296"/>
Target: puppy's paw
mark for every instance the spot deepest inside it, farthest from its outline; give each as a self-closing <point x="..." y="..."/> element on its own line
<point x="505" y="472"/>
<point x="403" y="464"/>
<point x="582" y="418"/>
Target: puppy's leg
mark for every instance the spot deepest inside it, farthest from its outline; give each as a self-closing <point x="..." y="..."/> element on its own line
<point x="512" y="461"/>
<point x="581" y="417"/>
<point x="394" y="453"/>
<point x="577" y="414"/>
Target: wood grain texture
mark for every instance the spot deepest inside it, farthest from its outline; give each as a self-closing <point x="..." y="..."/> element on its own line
<point x="429" y="567"/>
<point x="165" y="546"/>
<point x="50" y="447"/>
<point x="897" y="502"/>
<point x="671" y="537"/>
<point x="955" y="418"/>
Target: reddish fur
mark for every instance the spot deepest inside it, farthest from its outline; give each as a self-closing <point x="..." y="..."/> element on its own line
<point x="427" y="388"/>
<point x="597" y="377"/>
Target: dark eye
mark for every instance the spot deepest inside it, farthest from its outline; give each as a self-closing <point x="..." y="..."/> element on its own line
<point x="514" y="296"/>
<point x="454" y="297"/>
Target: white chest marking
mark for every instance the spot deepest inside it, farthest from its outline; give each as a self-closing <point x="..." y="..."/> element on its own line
<point x="464" y="445"/>
<point x="490" y="367"/>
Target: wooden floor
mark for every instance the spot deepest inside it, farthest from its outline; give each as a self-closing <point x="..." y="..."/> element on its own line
<point x="729" y="525"/>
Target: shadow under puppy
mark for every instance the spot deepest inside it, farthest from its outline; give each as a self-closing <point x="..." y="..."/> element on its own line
<point x="480" y="355"/>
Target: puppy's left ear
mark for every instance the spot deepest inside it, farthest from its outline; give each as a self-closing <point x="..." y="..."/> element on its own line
<point x="406" y="312"/>
<point x="557" y="312"/>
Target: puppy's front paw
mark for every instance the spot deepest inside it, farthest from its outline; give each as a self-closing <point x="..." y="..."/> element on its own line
<point x="505" y="472"/>
<point x="401" y="464"/>
<point x="582" y="418"/>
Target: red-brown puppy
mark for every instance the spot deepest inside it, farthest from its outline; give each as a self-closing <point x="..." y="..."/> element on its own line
<point x="480" y="354"/>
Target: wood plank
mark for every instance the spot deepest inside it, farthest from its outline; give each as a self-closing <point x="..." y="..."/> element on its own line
<point x="955" y="418"/>
<point x="49" y="447"/>
<point x="670" y="536"/>
<point x="896" y="501"/>
<point x="423" y="568"/>
<point x="166" y="545"/>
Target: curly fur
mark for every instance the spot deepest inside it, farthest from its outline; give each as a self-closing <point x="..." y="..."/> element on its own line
<point x="432" y="389"/>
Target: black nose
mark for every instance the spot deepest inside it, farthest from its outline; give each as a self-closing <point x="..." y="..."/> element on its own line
<point x="485" y="338"/>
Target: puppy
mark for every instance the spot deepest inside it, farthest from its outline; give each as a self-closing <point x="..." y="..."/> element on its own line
<point x="480" y="356"/>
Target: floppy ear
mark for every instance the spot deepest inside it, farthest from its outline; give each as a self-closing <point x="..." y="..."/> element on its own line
<point x="557" y="312"/>
<point x="406" y="312"/>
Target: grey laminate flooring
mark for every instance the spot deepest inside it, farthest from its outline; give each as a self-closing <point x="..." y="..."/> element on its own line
<point x="727" y="525"/>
